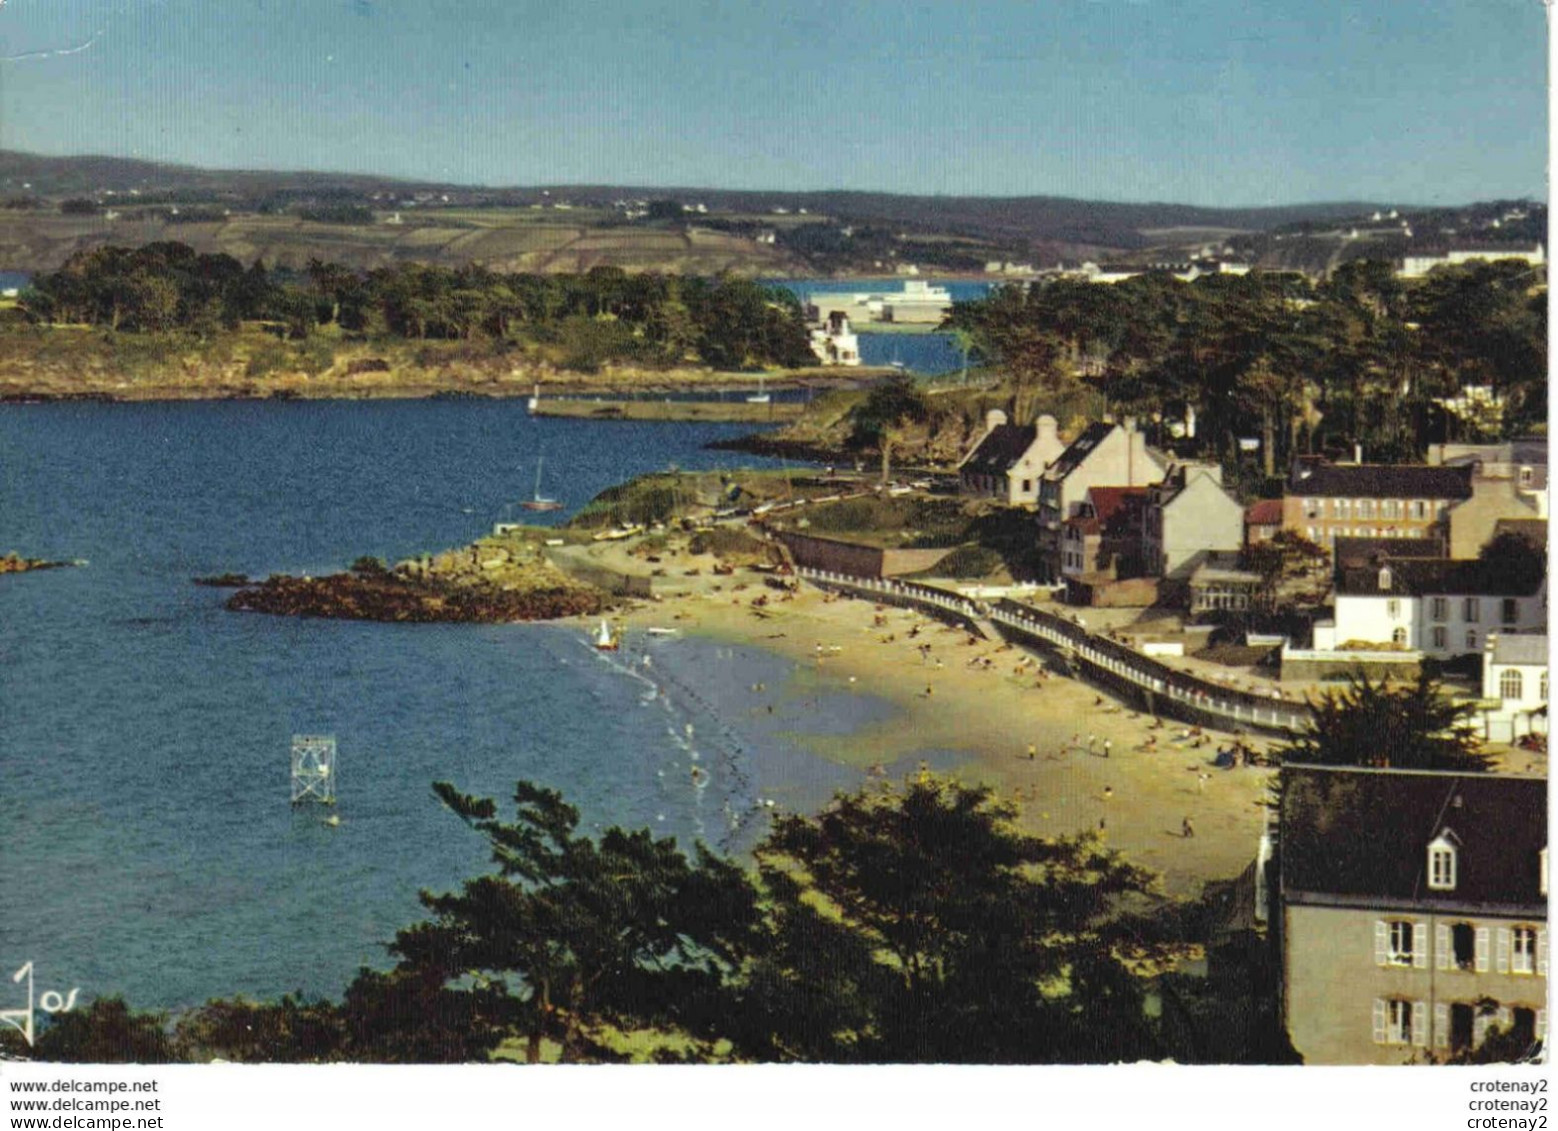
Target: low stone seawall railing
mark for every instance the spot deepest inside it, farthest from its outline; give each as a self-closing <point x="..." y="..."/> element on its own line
<point x="1167" y="687"/>
<point x="1161" y="688"/>
<point x="946" y="606"/>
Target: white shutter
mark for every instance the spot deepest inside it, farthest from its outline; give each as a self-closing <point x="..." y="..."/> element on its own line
<point x="1501" y="961"/>
<point x="1420" y="945"/>
<point x="1479" y="1028"/>
<point x="1541" y="953"/>
<point x="1420" y="1024"/>
<point x="1541" y="1024"/>
<point x="1504" y="1018"/>
<point x="1380" y="1019"/>
<point x="1381" y="942"/>
<point x="1482" y="950"/>
<point x="1442" y="947"/>
<point x="1441" y="1025"/>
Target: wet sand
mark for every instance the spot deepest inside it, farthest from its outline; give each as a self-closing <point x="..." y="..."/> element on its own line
<point x="982" y="719"/>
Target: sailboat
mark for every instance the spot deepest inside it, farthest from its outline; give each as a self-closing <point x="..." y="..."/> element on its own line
<point x="605" y="639"/>
<point x="761" y="396"/>
<point x="538" y="503"/>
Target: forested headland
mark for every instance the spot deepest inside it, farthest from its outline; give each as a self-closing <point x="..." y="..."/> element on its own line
<point x="164" y="311"/>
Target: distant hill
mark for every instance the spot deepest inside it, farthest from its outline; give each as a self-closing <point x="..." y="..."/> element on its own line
<point x="363" y="220"/>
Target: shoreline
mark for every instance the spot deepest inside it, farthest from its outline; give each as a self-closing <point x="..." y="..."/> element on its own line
<point x="986" y="717"/>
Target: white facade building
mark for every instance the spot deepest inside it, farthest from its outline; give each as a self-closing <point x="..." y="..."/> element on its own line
<point x="1514" y="674"/>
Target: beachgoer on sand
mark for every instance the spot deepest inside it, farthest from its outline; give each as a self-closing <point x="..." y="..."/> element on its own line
<point x="1187" y="830"/>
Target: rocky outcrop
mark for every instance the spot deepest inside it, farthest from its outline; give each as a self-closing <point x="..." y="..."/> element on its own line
<point x="15" y="563"/>
<point x="391" y="597"/>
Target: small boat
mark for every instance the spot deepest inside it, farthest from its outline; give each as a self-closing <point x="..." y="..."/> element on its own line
<point x="538" y="503"/>
<point x="618" y="534"/>
<point x="761" y="396"/>
<point x="657" y="630"/>
<point x="606" y="640"/>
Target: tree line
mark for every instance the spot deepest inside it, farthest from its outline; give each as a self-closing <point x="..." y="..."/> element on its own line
<point x="602" y="315"/>
<point x="1363" y="357"/>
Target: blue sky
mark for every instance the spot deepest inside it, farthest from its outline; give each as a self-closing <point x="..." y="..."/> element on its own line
<point x="1219" y="102"/>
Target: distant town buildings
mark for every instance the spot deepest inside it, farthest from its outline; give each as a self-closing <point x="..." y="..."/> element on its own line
<point x="834" y="342"/>
<point x="917" y="301"/>
<point x="1416" y="266"/>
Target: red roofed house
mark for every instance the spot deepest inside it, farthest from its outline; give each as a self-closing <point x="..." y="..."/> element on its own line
<point x="1101" y="549"/>
<point x="1262" y="520"/>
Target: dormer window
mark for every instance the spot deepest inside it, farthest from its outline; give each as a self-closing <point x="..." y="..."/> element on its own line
<point x="1384" y="577"/>
<point x="1441" y="863"/>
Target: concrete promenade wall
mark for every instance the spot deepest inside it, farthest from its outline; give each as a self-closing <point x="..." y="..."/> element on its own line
<point x="1159" y="688"/>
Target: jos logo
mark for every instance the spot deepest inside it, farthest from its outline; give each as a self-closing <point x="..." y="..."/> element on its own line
<point x="52" y="1001"/>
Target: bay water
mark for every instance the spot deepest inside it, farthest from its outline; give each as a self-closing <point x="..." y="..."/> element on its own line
<point x="149" y="848"/>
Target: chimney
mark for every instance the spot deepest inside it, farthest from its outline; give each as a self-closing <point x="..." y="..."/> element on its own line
<point x="1357" y="453"/>
<point x="1046" y="428"/>
<point x="993" y="419"/>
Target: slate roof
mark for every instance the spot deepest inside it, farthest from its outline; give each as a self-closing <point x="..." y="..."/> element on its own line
<point x="1362" y="835"/>
<point x="1520" y="648"/>
<point x="1426" y="577"/>
<point x="1351" y="553"/>
<point x="1001" y="447"/>
<point x="1316" y="479"/>
<point x="1078" y="450"/>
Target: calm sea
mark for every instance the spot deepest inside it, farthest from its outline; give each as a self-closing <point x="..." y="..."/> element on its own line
<point x="149" y="848"/>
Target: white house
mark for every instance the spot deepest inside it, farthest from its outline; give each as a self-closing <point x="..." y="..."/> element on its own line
<point x="1008" y="460"/>
<point x="1439" y="607"/>
<point x="1514" y="674"/>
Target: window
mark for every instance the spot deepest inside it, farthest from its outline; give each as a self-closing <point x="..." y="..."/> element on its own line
<point x="1398" y="636"/>
<point x="1393" y="609"/>
<point x="1441" y="863"/>
<point x="1440" y="638"/>
<point x="1510" y="684"/>
<point x="1463" y="946"/>
<point x="1522" y="954"/>
<point x="1312" y="508"/>
<point x="1393" y="942"/>
<point x="1511" y="611"/>
<point x="1419" y="509"/>
<point x="1471" y="641"/>
<point x="1391" y="508"/>
<point x="1339" y="508"/>
<point x="1399" y="1022"/>
<point x="1472" y="610"/>
<point x="1527" y="476"/>
<point x="1365" y="508"/>
<point x="1384" y="582"/>
<point x="1027" y="486"/>
<point x="1439" y="608"/>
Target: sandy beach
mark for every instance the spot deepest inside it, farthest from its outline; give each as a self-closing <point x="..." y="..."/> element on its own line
<point x="986" y="703"/>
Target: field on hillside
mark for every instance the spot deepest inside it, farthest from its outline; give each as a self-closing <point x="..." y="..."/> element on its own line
<point x="506" y="239"/>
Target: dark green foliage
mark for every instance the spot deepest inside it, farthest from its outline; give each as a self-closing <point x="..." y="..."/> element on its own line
<point x="1363" y="357"/>
<point x="585" y="935"/>
<point x="923" y="926"/>
<point x="1412" y="727"/>
<point x="106" y="1032"/>
<point x="603" y="317"/>
<point x="879" y="422"/>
